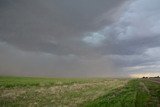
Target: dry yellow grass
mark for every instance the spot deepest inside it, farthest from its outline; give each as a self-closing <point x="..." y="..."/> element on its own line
<point x="60" y="94"/>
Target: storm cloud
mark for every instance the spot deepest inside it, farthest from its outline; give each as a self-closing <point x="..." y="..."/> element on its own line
<point x="77" y="38"/>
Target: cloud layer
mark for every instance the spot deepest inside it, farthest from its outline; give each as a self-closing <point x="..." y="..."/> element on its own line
<point x="79" y="38"/>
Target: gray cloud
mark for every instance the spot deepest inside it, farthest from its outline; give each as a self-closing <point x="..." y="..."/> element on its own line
<point x="53" y="26"/>
<point x="78" y="37"/>
<point x="17" y="62"/>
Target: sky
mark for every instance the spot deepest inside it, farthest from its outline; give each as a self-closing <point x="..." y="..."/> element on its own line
<point x="80" y="38"/>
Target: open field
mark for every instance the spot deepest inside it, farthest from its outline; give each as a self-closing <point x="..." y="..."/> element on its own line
<point x="82" y="92"/>
<point x="157" y="80"/>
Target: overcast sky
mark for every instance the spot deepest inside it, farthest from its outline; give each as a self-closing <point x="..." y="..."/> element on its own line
<point x="80" y="38"/>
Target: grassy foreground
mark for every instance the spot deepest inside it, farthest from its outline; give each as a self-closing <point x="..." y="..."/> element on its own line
<point x="91" y="92"/>
<point x="137" y="93"/>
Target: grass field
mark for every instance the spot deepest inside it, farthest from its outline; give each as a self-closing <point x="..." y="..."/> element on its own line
<point x="78" y="92"/>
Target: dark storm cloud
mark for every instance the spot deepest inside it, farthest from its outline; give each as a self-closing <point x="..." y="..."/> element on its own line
<point x="133" y="46"/>
<point x="53" y="26"/>
<point x="78" y="37"/>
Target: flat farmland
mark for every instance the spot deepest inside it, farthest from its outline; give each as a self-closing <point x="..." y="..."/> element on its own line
<point x="78" y="92"/>
<point x="155" y="80"/>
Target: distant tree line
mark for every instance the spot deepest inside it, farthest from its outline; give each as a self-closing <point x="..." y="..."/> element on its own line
<point x="152" y="77"/>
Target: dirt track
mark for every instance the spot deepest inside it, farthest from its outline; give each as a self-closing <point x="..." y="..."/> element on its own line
<point x="155" y="80"/>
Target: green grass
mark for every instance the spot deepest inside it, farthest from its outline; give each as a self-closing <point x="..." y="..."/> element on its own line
<point x="10" y="82"/>
<point x="137" y="93"/>
<point x="154" y="91"/>
<point x="121" y="97"/>
<point x="27" y="91"/>
<point x="82" y="92"/>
